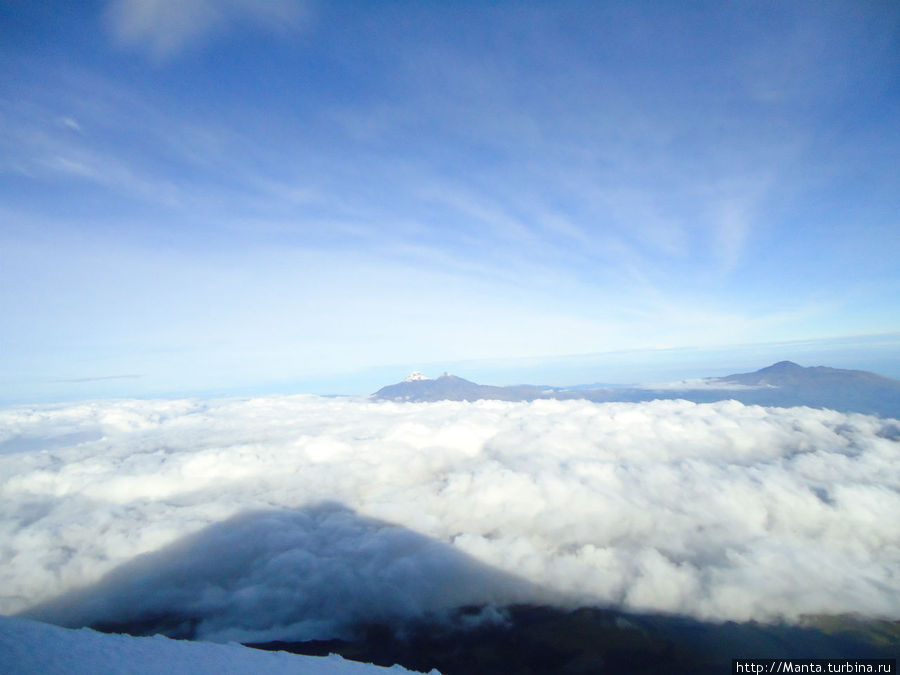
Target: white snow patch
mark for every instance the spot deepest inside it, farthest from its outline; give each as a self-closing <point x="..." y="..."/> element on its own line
<point x="34" y="647"/>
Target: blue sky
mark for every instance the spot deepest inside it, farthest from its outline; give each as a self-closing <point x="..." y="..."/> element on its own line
<point x="231" y="195"/>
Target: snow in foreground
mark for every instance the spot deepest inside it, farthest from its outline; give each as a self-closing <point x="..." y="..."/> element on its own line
<point x="34" y="647"/>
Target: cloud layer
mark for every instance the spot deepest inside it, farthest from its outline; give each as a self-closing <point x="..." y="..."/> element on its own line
<point x="720" y="511"/>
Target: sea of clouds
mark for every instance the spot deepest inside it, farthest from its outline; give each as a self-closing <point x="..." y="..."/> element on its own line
<point x="291" y="517"/>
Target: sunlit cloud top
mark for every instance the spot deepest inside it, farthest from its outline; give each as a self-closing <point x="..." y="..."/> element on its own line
<point x="216" y="194"/>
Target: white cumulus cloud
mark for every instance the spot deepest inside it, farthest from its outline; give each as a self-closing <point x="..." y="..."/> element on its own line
<point x="280" y="517"/>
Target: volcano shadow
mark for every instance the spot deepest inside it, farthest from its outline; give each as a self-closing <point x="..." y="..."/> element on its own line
<point x="325" y="579"/>
<point x="305" y="574"/>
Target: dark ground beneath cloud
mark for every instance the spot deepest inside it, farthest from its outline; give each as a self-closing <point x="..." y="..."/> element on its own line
<point x="546" y="640"/>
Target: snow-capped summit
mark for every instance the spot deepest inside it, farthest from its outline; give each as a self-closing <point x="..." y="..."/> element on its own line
<point x="416" y="376"/>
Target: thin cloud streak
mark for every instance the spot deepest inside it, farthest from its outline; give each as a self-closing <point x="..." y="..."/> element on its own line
<point x="163" y="28"/>
<point x="101" y="378"/>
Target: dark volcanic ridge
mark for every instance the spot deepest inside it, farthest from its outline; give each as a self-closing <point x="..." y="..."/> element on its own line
<point x="783" y="384"/>
<point x="530" y="639"/>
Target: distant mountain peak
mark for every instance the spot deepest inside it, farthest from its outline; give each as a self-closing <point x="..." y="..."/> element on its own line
<point x="782" y="384"/>
<point x="781" y="366"/>
<point x="449" y="387"/>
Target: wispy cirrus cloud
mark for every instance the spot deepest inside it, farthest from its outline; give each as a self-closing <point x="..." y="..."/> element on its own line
<point x="632" y="191"/>
<point x="163" y="28"/>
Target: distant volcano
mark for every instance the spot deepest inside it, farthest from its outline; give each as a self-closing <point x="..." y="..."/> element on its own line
<point x="782" y="384"/>
<point x="789" y="374"/>
<point x="417" y="387"/>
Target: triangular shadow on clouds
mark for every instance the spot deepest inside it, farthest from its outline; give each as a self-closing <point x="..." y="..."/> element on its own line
<point x="326" y="579"/>
<point x="285" y="574"/>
